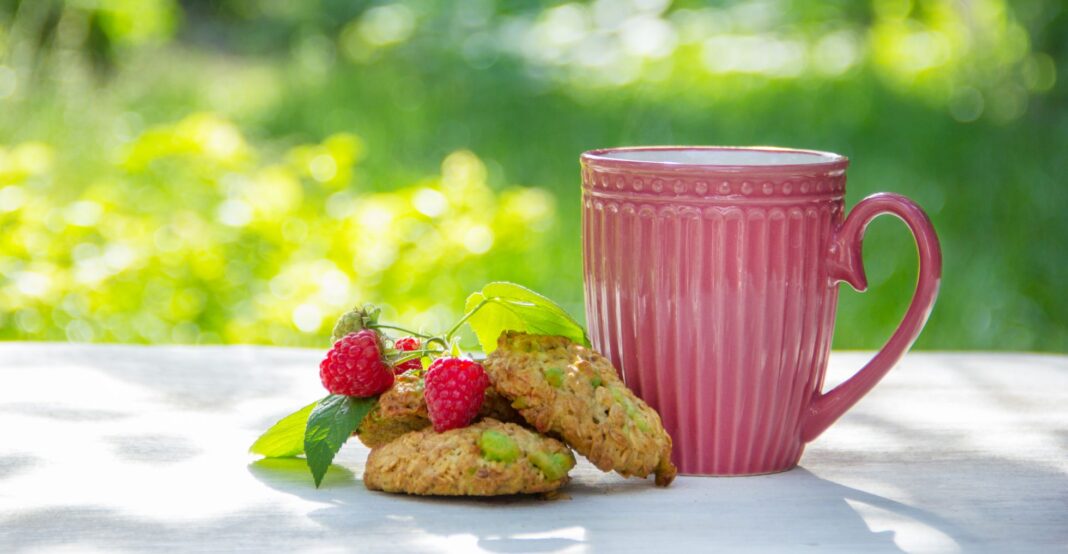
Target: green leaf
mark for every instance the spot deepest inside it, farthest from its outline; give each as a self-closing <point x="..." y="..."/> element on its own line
<point x="330" y="424"/>
<point x="285" y="438"/>
<point x="507" y="306"/>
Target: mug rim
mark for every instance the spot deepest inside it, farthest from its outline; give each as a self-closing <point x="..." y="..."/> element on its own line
<point x="602" y="157"/>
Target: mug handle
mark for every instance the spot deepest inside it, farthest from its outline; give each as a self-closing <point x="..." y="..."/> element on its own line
<point x="846" y="264"/>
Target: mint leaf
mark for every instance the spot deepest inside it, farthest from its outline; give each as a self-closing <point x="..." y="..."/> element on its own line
<point x="330" y="424"/>
<point x="508" y="306"/>
<point x="285" y="438"/>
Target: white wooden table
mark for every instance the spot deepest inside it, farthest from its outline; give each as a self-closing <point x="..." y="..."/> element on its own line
<point x="120" y="448"/>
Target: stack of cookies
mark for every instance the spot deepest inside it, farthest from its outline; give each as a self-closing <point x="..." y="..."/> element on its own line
<point x="547" y="396"/>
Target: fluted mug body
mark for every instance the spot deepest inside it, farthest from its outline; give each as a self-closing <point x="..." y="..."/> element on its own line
<point x="711" y="282"/>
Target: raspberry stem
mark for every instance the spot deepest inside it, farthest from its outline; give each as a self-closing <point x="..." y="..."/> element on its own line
<point x="401" y="329"/>
<point x="444" y="343"/>
<point x="467" y="316"/>
<point x="408" y="357"/>
<point x="414" y="354"/>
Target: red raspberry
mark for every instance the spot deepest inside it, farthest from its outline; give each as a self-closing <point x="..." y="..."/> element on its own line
<point x="407" y="344"/>
<point x="454" y="392"/>
<point x="354" y="366"/>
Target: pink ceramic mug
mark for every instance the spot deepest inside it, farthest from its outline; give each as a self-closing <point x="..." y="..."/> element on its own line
<point x="711" y="281"/>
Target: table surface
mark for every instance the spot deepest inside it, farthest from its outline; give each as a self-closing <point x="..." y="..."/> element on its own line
<point x="124" y="448"/>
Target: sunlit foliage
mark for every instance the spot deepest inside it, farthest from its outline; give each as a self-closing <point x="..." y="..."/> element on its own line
<point x="192" y="236"/>
<point x="240" y="170"/>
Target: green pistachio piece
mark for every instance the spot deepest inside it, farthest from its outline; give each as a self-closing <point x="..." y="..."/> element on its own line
<point x="554" y="466"/>
<point x="498" y="447"/>
<point x="555" y="376"/>
<point x="633" y="413"/>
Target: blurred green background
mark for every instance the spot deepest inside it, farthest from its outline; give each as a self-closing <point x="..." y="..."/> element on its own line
<point x="242" y="171"/>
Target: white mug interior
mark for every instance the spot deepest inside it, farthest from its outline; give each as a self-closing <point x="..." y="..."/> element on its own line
<point x="733" y="157"/>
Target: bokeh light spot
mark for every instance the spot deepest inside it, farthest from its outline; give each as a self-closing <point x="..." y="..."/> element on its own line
<point x="84" y="213"/>
<point x="837" y="52"/>
<point x="648" y="36"/>
<point x="11" y="198"/>
<point x="323" y="168"/>
<point x="430" y="202"/>
<point x="389" y="24"/>
<point x="32" y="283"/>
<point x="478" y="239"/>
<point x="234" y="213"/>
<point x="308" y="318"/>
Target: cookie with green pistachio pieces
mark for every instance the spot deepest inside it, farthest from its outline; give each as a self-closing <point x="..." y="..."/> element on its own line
<point x="569" y="391"/>
<point x="402" y="409"/>
<point x="488" y="458"/>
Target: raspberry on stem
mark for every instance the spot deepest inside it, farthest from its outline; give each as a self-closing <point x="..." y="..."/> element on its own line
<point x="455" y="388"/>
<point x="355" y="366"/>
<point x="407" y="344"/>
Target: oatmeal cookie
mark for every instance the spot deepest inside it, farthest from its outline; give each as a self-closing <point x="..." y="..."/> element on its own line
<point x="570" y="391"/>
<point x="484" y="459"/>
<point x="402" y="409"/>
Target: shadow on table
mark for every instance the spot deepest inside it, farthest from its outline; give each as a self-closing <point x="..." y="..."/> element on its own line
<point x="794" y="508"/>
<point x="291" y="476"/>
